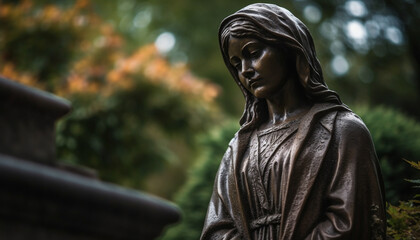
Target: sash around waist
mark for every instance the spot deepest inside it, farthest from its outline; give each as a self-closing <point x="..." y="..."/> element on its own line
<point x="265" y="221"/>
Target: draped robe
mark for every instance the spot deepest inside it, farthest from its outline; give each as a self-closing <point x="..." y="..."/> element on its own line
<point x="330" y="185"/>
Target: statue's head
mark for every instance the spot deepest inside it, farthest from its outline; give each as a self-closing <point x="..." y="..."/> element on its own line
<point x="281" y="30"/>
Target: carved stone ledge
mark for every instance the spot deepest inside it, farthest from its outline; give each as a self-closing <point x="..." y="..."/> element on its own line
<point x="27" y="118"/>
<point x="40" y="202"/>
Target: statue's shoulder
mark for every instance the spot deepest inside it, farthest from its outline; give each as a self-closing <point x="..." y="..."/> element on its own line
<point x="231" y="148"/>
<point x="234" y="140"/>
<point x="348" y="123"/>
<point x="343" y="118"/>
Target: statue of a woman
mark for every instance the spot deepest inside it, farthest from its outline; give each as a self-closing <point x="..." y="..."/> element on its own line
<point x="302" y="165"/>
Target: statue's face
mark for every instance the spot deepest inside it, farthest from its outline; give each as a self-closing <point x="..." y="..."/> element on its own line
<point x="262" y="69"/>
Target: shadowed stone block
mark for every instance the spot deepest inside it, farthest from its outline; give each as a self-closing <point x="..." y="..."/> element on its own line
<point x="40" y="202"/>
<point x="43" y="202"/>
<point x="27" y="118"/>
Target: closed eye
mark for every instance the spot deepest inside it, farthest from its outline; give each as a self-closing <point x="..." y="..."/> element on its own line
<point x="236" y="63"/>
<point x="255" y="53"/>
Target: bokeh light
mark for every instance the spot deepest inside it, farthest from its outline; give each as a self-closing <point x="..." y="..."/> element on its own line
<point x="356" y="8"/>
<point x="142" y="18"/>
<point x="339" y="65"/>
<point x="165" y="42"/>
<point x="394" y="35"/>
<point x="312" y="13"/>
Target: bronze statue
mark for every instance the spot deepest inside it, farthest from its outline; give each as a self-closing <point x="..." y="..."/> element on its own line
<point x="302" y="165"/>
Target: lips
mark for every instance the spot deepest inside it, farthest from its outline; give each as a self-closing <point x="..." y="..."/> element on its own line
<point x="252" y="82"/>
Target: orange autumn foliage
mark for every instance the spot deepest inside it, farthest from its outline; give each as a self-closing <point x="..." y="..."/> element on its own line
<point x="100" y="65"/>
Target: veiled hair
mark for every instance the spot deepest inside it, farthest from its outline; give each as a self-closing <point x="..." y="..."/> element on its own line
<point x="279" y="28"/>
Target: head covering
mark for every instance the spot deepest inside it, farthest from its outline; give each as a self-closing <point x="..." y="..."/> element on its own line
<point x="278" y="27"/>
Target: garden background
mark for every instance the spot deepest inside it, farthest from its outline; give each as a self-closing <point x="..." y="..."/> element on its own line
<point x="154" y="106"/>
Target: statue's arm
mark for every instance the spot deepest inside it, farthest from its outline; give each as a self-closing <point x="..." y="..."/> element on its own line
<point x="355" y="205"/>
<point x="218" y="224"/>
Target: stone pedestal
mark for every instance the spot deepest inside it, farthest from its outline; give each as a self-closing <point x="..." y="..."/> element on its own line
<point x="27" y="118"/>
<point x="39" y="201"/>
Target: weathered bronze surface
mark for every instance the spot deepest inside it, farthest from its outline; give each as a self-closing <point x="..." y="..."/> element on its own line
<point x="302" y="165"/>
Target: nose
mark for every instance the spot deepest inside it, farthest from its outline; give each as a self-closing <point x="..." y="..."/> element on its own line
<point x="247" y="71"/>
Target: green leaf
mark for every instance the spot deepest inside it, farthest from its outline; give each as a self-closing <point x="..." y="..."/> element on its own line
<point x="416" y="181"/>
<point x="413" y="164"/>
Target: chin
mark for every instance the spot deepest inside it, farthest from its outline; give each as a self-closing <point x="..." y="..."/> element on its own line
<point x="260" y="93"/>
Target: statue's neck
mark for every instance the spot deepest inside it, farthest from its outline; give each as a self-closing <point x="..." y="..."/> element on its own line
<point x="288" y="104"/>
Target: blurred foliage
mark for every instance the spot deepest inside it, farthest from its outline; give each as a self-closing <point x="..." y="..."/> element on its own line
<point x="133" y="114"/>
<point x="396" y="137"/>
<point x="404" y="219"/>
<point x="194" y="196"/>
<point x="367" y="48"/>
<point x="39" y="44"/>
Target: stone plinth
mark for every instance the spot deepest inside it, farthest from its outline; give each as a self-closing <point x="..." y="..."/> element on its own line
<point x="41" y="202"/>
<point x="27" y="119"/>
